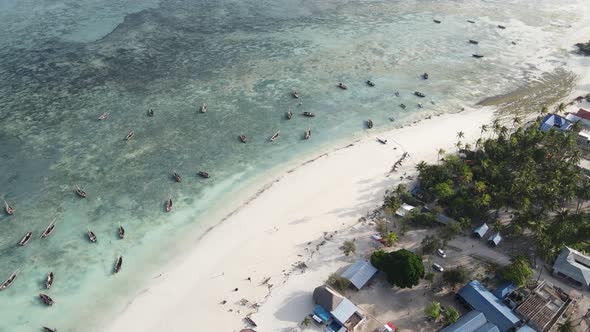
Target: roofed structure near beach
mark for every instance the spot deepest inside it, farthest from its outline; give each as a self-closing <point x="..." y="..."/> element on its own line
<point x="481" y="230"/>
<point x="342" y="310"/>
<point x="360" y="273"/>
<point x="554" y="121"/>
<point x="574" y="266"/>
<point x="495" y="239"/>
<point x="581" y="115"/>
<point x="404" y="210"/>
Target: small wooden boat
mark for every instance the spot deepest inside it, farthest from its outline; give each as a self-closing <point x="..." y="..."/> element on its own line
<point x="47" y="329"/>
<point x="392" y="119"/>
<point x="470" y="21"/>
<point x="342" y="86"/>
<point x="203" y="108"/>
<point x="91" y="236"/>
<point x="436" y="21"/>
<point x="8" y="209"/>
<point x="420" y="105"/>
<point x="513" y="43"/>
<point x="49" y="280"/>
<point x="176" y="177"/>
<point x="501" y="27"/>
<point x="295" y="94"/>
<point x="25" y="239"/>
<point x="477" y="56"/>
<point x="203" y="174"/>
<point x="419" y="94"/>
<point x="169" y="204"/>
<point x="8" y="281"/>
<point x="275" y="136"/>
<point x="369" y="123"/>
<point x="103" y="116"/>
<point x="396" y="94"/>
<point x="130" y="135"/>
<point x="471" y="41"/>
<point x="425" y="76"/>
<point x="150" y="112"/>
<point x="289" y="115"/>
<point x="80" y="192"/>
<point x="243" y="138"/>
<point x="49" y="229"/>
<point x="308" y="114"/>
<point x="402" y="106"/>
<point x="382" y="141"/>
<point x="46" y="299"/>
<point x="121" y="232"/>
<point x="118" y="264"/>
<point x="370" y="83"/>
<point x="307" y="134"/>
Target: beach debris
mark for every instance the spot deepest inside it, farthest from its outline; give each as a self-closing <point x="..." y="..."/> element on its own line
<point x="420" y="105"/>
<point x="382" y="141"/>
<point x="236" y="289"/>
<point x="223" y="302"/>
<point x="425" y="76"/>
<point x="396" y="94"/>
<point x="243" y="302"/>
<point x="402" y="106"/>
<point x="265" y="281"/>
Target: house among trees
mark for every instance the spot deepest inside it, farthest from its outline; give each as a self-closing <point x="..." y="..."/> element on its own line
<point x="481" y="231"/>
<point x="581" y="116"/>
<point x="554" y="121"/>
<point x="360" y="273"/>
<point x="574" y="266"/>
<point x="495" y="239"/>
<point x="346" y="316"/>
<point x="404" y="210"/>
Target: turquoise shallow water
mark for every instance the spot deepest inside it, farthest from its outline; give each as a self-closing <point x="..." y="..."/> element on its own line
<point x="63" y="63"/>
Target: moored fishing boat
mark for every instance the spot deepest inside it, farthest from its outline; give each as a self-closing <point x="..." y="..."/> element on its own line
<point x="470" y="21"/>
<point x="203" y="174"/>
<point x="308" y="114"/>
<point x="436" y="21"/>
<point x="419" y="94"/>
<point x="382" y="141"/>
<point x="47" y="329"/>
<point x="275" y="136"/>
<point x="169" y="204"/>
<point x="369" y="123"/>
<point x="150" y="112"/>
<point x="307" y="134"/>
<point x="49" y="280"/>
<point x="49" y="229"/>
<point x="121" y="232"/>
<point x="243" y="138"/>
<point x="501" y="27"/>
<point x="370" y="83"/>
<point x="130" y="135"/>
<point x="402" y="106"/>
<point x="471" y="41"/>
<point x="295" y="94"/>
<point x="80" y="192"/>
<point x="425" y="76"/>
<point x="91" y="236"/>
<point x="176" y="176"/>
<point x="289" y="115"/>
<point x="396" y="94"/>
<point x="118" y="264"/>
<point x="342" y="86"/>
<point x="9" y="281"/>
<point x="25" y="239"/>
<point x="46" y="299"/>
<point x="8" y="209"/>
<point x="103" y="116"/>
<point x="477" y="56"/>
<point x="203" y="108"/>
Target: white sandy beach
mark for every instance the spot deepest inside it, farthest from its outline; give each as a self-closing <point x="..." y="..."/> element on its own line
<point x="271" y="233"/>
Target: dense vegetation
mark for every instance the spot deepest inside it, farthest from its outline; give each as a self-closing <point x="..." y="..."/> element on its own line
<point x="402" y="267"/>
<point x="584" y="48"/>
<point x="533" y="174"/>
<point x="518" y="271"/>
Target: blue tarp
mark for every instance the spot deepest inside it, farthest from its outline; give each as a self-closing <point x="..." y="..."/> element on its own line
<point x="322" y="313"/>
<point x="479" y="298"/>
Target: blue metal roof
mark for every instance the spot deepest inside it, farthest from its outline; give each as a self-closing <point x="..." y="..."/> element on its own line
<point x="488" y="327"/>
<point x="481" y="230"/>
<point x="479" y="298"/>
<point x="526" y="328"/>
<point x="359" y="273"/>
<point x="322" y="313"/>
<point x="504" y="289"/>
<point x="553" y="121"/>
<point x="468" y="323"/>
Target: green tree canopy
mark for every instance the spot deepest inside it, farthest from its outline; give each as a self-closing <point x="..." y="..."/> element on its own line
<point x="402" y="267"/>
<point x="451" y="315"/>
<point x="455" y="276"/>
<point x="432" y="310"/>
<point x="518" y="271"/>
<point x="348" y="247"/>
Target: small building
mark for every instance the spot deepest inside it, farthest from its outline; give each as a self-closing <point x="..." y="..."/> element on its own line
<point x="554" y="121"/>
<point x="544" y="306"/>
<point x="404" y="210"/>
<point x="581" y="116"/>
<point x="473" y="321"/>
<point x="360" y="273"/>
<point x="476" y="297"/>
<point x="504" y="290"/>
<point x="344" y="312"/>
<point x="574" y="266"/>
<point x="480" y="231"/>
<point x="443" y="219"/>
<point x="495" y="239"/>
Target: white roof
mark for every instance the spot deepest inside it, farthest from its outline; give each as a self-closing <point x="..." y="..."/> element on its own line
<point x="573" y="264"/>
<point x="404" y="209"/>
<point x="359" y="273"/>
<point x="344" y="311"/>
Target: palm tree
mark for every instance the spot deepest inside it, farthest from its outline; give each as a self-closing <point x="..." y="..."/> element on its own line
<point x="467" y="146"/>
<point x="544" y="110"/>
<point x="478" y="143"/>
<point x="496" y="126"/>
<point x="441" y="152"/>
<point x="460" y="135"/>
<point x="561" y="107"/>
<point x="583" y="195"/>
<point x="567" y="326"/>
<point x="482" y="129"/>
<point x="515" y="122"/>
<point x="458" y="145"/>
<point x="421" y="166"/>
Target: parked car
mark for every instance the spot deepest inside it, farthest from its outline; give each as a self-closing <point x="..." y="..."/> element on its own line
<point x="438" y="267"/>
<point x="441" y="253"/>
